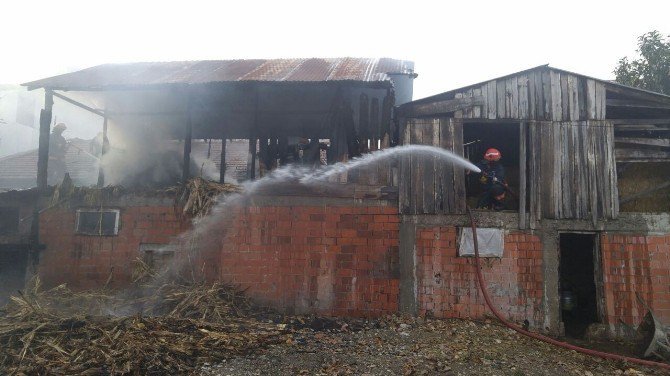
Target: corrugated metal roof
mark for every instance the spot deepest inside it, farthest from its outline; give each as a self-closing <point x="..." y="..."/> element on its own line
<point x="211" y="71"/>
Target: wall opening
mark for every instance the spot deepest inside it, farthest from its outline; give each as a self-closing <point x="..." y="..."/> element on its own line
<point x="97" y="222"/>
<point x="13" y="263"/>
<point x="477" y="138"/>
<point x="577" y="283"/>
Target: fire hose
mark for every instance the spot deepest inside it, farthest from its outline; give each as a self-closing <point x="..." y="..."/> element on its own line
<point x="540" y="337"/>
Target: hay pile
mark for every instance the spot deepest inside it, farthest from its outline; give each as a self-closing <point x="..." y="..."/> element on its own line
<point x="199" y="195"/>
<point x="173" y="331"/>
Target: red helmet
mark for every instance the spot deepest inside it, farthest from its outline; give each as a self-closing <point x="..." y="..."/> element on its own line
<point x="492" y="154"/>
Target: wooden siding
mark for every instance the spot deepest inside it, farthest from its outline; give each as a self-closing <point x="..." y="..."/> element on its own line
<point x="429" y="185"/>
<point x="542" y="94"/>
<point x="572" y="172"/>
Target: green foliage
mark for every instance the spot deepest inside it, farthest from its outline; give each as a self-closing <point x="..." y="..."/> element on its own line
<point x="651" y="71"/>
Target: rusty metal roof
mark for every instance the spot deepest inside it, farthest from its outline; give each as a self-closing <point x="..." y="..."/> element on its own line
<point x="212" y="71"/>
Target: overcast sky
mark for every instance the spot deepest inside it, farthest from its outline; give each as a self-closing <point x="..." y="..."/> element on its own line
<point x="453" y="43"/>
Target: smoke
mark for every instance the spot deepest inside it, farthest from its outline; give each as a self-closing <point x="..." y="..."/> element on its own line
<point x="147" y="157"/>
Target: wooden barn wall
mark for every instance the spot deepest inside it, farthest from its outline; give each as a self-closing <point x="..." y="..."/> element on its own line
<point x="542" y="94"/>
<point x="572" y="171"/>
<point x="430" y="185"/>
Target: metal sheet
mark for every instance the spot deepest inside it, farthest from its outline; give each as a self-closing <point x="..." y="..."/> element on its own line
<point x="118" y="76"/>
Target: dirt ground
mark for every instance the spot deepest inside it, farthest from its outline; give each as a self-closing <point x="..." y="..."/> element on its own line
<point x="406" y="346"/>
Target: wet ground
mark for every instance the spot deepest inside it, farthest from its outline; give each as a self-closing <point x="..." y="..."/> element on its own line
<point x="397" y="346"/>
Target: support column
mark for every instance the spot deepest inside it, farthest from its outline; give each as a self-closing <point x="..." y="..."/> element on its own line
<point x="222" y="169"/>
<point x="408" y="299"/>
<point x="188" y="132"/>
<point x="251" y="166"/>
<point x="43" y="154"/>
<point x="522" y="176"/>
<point x="103" y="151"/>
<point x="550" y="260"/>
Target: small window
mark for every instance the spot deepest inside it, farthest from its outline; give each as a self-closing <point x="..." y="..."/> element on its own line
<point x="97" y="222"/>
<point x="489" y="240"/>
<point x="9" y="220"/>
<point x="157" y="256"/>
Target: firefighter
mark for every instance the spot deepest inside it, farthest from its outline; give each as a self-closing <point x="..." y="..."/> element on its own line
<point x="57" y="149"/>
<point x="493" y="181"/>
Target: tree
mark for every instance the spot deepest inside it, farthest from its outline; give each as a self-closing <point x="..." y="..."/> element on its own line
<point x="651" y="71"/>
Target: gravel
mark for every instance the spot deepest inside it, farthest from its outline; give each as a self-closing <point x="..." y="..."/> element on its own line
<point x="408" y="346"/>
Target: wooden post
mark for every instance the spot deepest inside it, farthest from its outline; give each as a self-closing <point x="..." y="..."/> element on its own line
<point x="251" y="166"/>
<point x="522" y="175"/>
<point x="43" y="154"/>
<point x="103" y="151"/>
<point x="188" y="132"/>
<point x="222" y="169"/>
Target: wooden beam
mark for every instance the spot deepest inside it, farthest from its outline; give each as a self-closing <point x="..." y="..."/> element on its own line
<point x="441" y="107"/>
<point x="188" y="132"/>
<point x="222" y="169"/>
<point x="641" y="155"/>
<point x="646" y="192"/>
<point x="638" y="94"/>
<point x="522" y="176"/>
<point x="659" y="142"/>
<point x="43" y="153"/>
<point x="629" y="103"/>
<point x="103" y="151"/>
<point x="663" y="121"/>
<point x="79" y="104"/>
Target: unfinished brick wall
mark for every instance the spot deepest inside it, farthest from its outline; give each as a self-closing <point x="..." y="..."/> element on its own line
<point x="635" y="265"/>
<point x="85" y="261"/>
<point x="448" y="287"/>
<point x="320" y="259"/>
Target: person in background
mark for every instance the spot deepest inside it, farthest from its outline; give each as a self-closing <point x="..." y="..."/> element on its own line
<point x="493" y="181"/>
<point x="57" y="149"/>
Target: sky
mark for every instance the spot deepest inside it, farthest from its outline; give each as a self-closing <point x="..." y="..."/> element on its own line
<point x="452" y="43"/>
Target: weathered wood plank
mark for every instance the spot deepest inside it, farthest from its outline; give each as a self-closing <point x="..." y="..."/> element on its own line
<point x="590" y="99"/>
<point x="416" y="187"/>
<point x="641" y="155"/>
<point x="508" y="98"/>
<point x="459" y="173"/>
<point x="531" y="96"/>
<point x="443" y="107"/>
<point x="523" y="97"/>
<point x="546" y="95"/>
<point x="522" y="175"/>
<point x="556" y="97"/>
<point x="601" y="101"/>
<point x="404" y="172"/>
<point x="514" y="97"/>
<point x="447" y="142"/>
<point x="477" y="109"/>
<point x="500" y="99"/>
<point x="573" y="92"/>
<point x="431" y="134"/>
<point x="491" y="101"/>
<point x="565" y="98"/>
<point x="535" y="176"/>
<point x="658" y="142"/>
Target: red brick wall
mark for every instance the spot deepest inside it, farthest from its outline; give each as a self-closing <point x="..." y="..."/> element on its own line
<point x="448" y="287"/>
<point x="635" y="264"/>
<point x="84" y="261"/>
<point x="326" y="260"/>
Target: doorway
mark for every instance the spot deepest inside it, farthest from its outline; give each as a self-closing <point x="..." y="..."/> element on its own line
<point x="13" y="263"/>
<point x="577" y="283"/>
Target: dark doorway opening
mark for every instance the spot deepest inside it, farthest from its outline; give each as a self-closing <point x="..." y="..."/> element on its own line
<point x="577" y="286"/>
<point x="13" y="263"/>
<point x="477" y="138"/>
